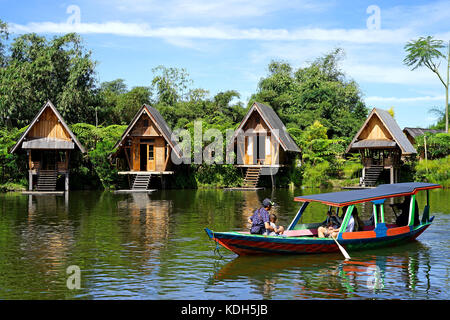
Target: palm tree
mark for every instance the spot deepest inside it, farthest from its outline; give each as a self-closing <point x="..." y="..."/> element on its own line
<point x="427" y="52"/>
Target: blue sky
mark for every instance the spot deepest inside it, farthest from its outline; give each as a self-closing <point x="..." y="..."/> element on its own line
<point x="227" y="45"/>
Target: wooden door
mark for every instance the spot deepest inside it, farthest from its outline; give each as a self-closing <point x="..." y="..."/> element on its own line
<point x="151" y="157"/>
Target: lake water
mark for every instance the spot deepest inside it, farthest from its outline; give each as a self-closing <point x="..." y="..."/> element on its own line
<point x="139" y="246"/>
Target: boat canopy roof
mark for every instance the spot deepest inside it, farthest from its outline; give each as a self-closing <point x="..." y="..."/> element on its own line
<point x="345" y="198"/>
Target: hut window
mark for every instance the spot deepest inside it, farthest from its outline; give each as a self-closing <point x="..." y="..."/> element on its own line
<point x="150" y="153"/>
<point x="147" y="140"/>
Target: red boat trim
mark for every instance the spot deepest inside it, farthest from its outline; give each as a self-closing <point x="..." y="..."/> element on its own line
<point x="359" y="235"/>
<point x="397" y="231"/>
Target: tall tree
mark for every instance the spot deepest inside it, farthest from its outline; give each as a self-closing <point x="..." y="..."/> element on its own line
<point x="37" y="70"/>
<point x="319" y="91"/>
<point x="3" y="36"/>
<point x="171" y="84"/>
<point x="427" y="52"/>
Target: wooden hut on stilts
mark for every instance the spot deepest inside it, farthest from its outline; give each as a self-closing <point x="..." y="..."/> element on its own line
<point x="382" y="146"/>
<point x="262" y="145"/>
<point x="145" y="148"/>
<point x="48" y="142"/>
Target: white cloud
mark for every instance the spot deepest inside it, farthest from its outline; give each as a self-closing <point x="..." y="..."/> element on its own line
<point x="218" y="32"/>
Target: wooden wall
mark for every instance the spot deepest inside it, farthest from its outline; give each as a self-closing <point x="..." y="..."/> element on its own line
<point x="375" y="130"/>
<point x="48" y="126"/>
<point x="256" y="123"/>
<point x="144" y="129"/>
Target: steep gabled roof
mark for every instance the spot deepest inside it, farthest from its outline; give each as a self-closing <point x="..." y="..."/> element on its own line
<point x="414" y="132"/>
<point x="391" y="125"/>
<point x="45" y="142"/>
<point x="159" y="122"/>
<point x="274" y="123"/>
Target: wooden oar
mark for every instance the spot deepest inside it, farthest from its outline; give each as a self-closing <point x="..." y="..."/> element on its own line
<point x="346" y="255"/>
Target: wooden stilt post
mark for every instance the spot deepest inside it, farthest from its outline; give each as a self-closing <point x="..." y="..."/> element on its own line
<point x="391" y="169"/>
<point x="163" y="182"/>
<point x="30" y="180"/>
<point x="66" y="184"/>
<point x="272" y="178"/>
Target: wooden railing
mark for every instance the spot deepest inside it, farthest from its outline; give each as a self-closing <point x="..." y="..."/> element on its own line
<point x="61" y="165"/>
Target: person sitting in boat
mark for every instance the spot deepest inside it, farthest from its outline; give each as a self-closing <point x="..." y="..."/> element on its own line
<point x="278" y="230"/>
<point x="402" y="219"/>
<point x="354" y="224"/>
<point x="331" y="223"/>
<point x="260" y="219"/>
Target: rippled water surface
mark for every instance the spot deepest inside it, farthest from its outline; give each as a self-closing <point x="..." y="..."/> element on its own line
<point x="138" y="246"/>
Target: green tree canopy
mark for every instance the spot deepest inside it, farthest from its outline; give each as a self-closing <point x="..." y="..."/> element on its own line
<point x="427" y="51"/>
<point x="37" y="70"/>
<point x="319" y="91"/>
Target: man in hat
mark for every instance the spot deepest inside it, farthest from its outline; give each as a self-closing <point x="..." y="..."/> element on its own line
<point x="260" y="219"/>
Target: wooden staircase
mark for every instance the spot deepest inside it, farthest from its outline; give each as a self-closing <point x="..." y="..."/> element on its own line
<point x="47" y="180"/>
<point x="371" y="176"/>
<point x="251" y="177"/>
<point x="141" y="182"/>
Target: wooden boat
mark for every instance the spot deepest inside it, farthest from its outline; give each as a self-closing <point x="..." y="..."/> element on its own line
<point x="302" y="238"/>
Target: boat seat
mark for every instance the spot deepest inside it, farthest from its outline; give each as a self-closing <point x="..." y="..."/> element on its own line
<point x="300" y="233"/>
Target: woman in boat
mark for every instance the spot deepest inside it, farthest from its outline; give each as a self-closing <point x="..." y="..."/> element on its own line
<point x="260" y="219"/>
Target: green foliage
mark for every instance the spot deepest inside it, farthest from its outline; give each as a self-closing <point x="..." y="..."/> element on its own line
<point x="316" y="147"/>
<point x="119" y="104"/>
<point x="319" y="91"/>
<point x="316" y="175"/>
<point x="217" y="175"/>
<point x="4" y="34"/>
<point x="423" y="52"/>
<point x="37" y="70"/>
<point x="12" y="166"/>
<point x="99" y="143"/>
<point x="438" y="145"/>
<point x="434" y="171"/>
<point x="427" y="52"/>
<point x="351" y="169"/>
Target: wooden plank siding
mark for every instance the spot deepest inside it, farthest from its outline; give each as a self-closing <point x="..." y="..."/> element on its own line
<point x="145" y="132"/>
<point x="48" y="126"/>
<point x="259" y="126"/>
<point x="375" y="130"/>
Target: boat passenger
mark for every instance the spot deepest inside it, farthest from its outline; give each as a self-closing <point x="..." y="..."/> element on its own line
<point x="402" y="219"/>
<point x="260" y="219"/>
<point x="354" y="224"/>
<point x="333" y="222"/>
<point x="278" y="229"/>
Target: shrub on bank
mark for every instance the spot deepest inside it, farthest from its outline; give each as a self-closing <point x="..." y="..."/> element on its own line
<point x="434" y="171"/>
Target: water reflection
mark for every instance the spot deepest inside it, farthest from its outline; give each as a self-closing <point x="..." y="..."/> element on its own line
<point x="149" y="219"/>
<point x="328" y="276"/>
<point x="154" y="247"/>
